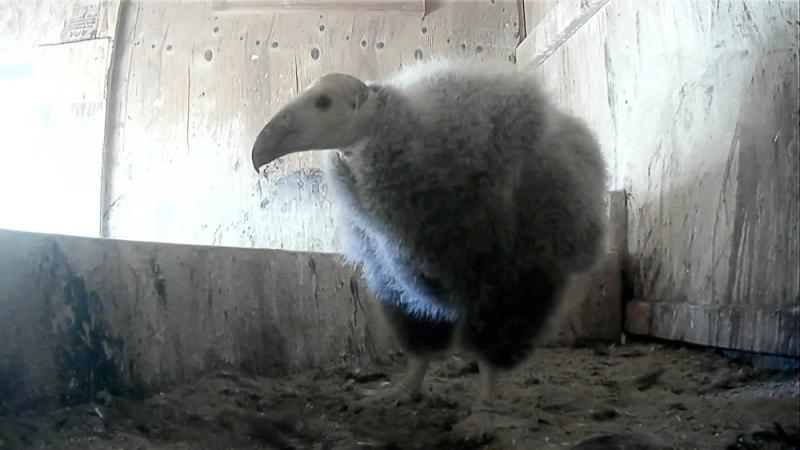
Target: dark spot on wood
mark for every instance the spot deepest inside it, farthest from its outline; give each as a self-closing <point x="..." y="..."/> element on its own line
<point x="275" y="44"/>
<point x="478" y="49"/>
<point x="463" y="46"/>
<point x="424" y="30"/>
<point x="258" y="43"/>
<point x="418" y="54"/>
<point x="448" y="41"/>
<point x="159" y="283"/>
<point x="363" y="43"/>
<point x="216" y="29"/>
<point x="322" y="28"/>
<point x="153" y="46"/>
<point x="315" y="53"/>
<point x="208" y="55"/>
<point x="512" y="59"/>
<point x="379" y="45"/>
<point x="169" y="48"/>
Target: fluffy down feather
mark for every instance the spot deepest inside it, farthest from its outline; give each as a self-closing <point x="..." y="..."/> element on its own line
<point x="467" y="179"/>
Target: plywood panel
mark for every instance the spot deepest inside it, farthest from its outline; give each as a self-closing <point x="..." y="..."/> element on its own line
<point x="561" y="20"/>
<point x="51" y="164"/>
<point x="27" y="24"/>
<point x="197" y="87"/>
<point x="535" y="11"/>
<point x="81" y="315"/>
<point x="54" y="59"/>
<point x="416" y="7"/>
<point x="702" y="114"/>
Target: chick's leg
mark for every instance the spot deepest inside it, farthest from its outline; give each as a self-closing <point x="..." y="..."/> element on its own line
<point x="487" y="387"/>
<point x="483" y="420"/>
<point x="422" y="339"/>
<point x="408" y="389"/>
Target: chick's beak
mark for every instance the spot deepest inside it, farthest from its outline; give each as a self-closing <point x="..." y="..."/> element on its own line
<point x="273" y="141"/>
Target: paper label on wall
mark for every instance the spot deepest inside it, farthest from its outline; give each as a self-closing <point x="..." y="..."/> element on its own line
<point x="81" y="25"/>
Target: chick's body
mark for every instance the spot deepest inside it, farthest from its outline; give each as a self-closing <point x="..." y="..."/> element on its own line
<point x="472" y="200"/>
<point x="468" y="199"/>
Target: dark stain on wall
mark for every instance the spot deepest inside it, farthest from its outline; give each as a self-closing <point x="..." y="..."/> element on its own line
<point x="159" y="282"/>
<point x="88" y="354"/>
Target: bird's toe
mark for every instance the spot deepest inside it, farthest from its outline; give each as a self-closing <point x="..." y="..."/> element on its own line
<point x="483" y="425"/>
<point x="395" y="395"/>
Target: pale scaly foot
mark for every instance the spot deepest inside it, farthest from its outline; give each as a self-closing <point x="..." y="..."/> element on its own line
<point x="407" y="390"/>
<point x="484" y="422"/>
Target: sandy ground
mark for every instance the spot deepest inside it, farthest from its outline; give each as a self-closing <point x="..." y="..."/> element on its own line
<point x="639" y="396"/>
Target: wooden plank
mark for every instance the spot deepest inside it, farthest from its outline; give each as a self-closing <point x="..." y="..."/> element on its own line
<point x="196" y="87"/>
<point x="535" y="11"/>
<point x="618" y="219"/>
<point x="57" y="116"/>
<point x="416" y="7"/>
<point x="165" y="314"/>
<point x="566" y="17"/>
<point x="638" y="317"/>
<point x="707" y="150"/>
<point x="44" y="36"/>
<point x="115" y="21"/>
<point x="745" y="327"/>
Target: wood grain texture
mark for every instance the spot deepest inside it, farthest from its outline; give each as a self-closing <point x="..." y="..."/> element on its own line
<point x="535" y="11"/>
<point x="196" y="88"/>
<point x="696" y="109"/>
<point x="53" y="113"/>
<point x="416" y="7"/>
<point x="80" y="315"/>
<point x="561" y="20"/>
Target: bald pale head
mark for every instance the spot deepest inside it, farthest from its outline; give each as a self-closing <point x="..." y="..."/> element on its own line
<point x="327" y="115"/>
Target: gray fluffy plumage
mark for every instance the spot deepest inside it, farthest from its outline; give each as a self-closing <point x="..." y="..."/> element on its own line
<point x="465" y="184"/>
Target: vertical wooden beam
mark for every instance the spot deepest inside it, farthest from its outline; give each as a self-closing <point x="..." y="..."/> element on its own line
<point x="120" y="13"/>
<point x="554" y="30"/>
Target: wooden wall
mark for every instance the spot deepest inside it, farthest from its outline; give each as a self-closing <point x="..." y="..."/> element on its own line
<point x="54" y="58"/>
<point x="535" y="12"/>
<point x="696" y="106"/>
<point x="81" y="315"/>
<point x="193" y="88"/>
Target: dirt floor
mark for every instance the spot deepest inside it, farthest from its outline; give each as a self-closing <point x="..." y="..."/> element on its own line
<point x="639" y="396"/>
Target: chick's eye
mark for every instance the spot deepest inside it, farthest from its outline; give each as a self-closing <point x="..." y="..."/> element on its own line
<point x="323" y="102"/>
